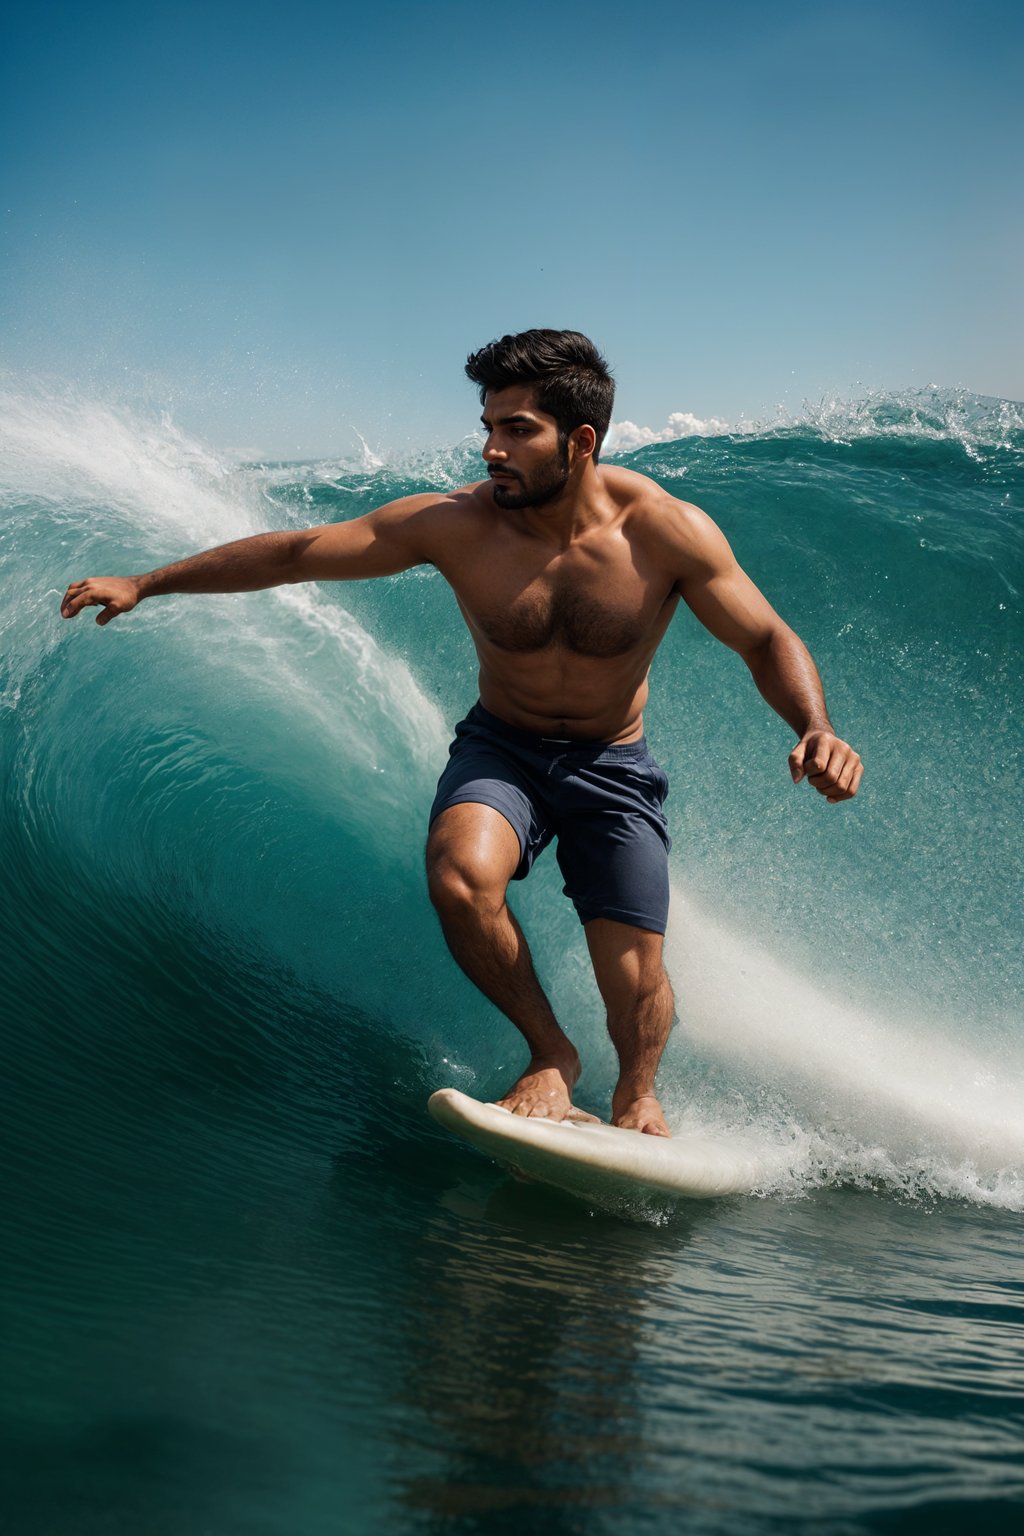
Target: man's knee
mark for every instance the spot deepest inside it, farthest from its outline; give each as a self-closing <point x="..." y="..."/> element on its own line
<point x="472" y="852"/>
<point x="460" y="888"/>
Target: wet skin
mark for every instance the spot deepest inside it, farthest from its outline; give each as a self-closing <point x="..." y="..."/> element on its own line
<point x="567" y="575"/>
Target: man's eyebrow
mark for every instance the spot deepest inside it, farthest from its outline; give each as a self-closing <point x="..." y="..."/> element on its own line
<point x="507" y="421"/>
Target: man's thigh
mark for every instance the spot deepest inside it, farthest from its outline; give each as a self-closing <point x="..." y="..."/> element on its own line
<point x="616" y="870"/>
<point x="480" y="775"/>
<point x="613" y="839"/>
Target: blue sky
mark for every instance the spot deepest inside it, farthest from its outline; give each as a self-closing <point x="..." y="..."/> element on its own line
<point x="286" y="222"/>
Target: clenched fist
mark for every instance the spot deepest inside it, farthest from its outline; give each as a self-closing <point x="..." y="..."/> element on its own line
<point x="827" y="762"/>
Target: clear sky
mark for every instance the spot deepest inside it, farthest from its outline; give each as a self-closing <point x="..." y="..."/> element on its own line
<point x="284" y="222"/>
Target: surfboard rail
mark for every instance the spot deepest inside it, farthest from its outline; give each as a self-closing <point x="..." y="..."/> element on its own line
<point x="599" y="1159"/>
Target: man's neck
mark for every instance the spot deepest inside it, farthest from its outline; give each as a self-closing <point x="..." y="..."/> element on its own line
<point x="581" y="506"/>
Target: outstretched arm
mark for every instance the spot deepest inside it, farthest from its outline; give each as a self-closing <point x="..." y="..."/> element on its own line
<point x="729" y="605"/>
<point x="388" y="540"/>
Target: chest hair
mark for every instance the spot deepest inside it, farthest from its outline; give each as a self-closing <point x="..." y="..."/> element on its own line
<point x="568" y="617"/>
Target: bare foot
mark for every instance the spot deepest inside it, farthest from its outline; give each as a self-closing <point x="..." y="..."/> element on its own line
<point x="640" y="1114"/>
<point x="544" y="1092"/>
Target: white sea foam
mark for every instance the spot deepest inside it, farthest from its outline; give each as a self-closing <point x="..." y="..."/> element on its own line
<point x="866" y="1098"/>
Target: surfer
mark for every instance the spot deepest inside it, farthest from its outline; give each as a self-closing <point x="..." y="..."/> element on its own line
<point x="567" y="573"/>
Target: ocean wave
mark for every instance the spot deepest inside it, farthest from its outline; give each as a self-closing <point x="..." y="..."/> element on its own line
<point x="252" y="773"/>
<point x="958" y="416"/>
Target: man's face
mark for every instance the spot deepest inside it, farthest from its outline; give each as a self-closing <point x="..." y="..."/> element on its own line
<point x="527" y="458"/>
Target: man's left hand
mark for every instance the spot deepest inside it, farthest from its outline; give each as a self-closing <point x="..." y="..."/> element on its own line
<point x="831" y="765"/>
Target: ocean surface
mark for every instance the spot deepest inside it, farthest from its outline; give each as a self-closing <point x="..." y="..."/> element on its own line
<point x="249" y="1288"/>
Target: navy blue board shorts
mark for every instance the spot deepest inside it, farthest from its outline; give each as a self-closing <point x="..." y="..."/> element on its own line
<point x="603" y="804"/>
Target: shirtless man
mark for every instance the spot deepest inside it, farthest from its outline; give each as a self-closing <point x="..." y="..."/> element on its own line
<point x="567" y="574"/>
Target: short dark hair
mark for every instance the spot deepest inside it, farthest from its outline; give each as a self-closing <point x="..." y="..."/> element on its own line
<point x="571" y="379"/>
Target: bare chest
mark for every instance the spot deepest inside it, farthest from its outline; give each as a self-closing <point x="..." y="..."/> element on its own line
<point x="593" y="608"/>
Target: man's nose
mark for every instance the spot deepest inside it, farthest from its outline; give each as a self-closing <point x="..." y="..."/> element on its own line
<point x="491" y="452"/>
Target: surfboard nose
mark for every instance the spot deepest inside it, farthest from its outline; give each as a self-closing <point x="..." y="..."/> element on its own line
<point x="444" y="1106"/>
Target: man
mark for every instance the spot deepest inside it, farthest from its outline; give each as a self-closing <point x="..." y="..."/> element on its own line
<point x="567" y="574"/>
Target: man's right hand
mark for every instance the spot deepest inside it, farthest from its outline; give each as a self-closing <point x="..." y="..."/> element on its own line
<point x="113" y="594"/>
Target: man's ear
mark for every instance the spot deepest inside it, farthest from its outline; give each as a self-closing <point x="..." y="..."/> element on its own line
<point x="582" y="442"/>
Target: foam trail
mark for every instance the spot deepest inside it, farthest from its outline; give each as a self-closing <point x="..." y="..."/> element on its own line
<point x="918" y="1095"/>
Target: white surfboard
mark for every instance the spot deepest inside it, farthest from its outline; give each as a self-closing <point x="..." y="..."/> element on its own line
<point x="596" y="1160"/>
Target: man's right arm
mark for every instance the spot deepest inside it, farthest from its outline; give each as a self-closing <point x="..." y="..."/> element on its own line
<point x="391" y="539"/>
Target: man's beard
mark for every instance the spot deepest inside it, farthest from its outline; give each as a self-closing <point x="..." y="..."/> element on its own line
<point x="549" y="482"/>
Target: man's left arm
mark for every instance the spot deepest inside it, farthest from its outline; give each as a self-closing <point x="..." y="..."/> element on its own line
<point x="728" y="604"/>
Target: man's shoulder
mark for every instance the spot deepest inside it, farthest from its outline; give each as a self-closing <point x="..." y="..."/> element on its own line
<point x="424" y="524"/>
<point x="452" y="500"/>
<point x="433" y="508"/>
<point x="649" y="507"/>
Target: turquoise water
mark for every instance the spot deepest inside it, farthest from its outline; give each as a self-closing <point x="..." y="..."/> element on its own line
<point x="248" y="1285"/>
